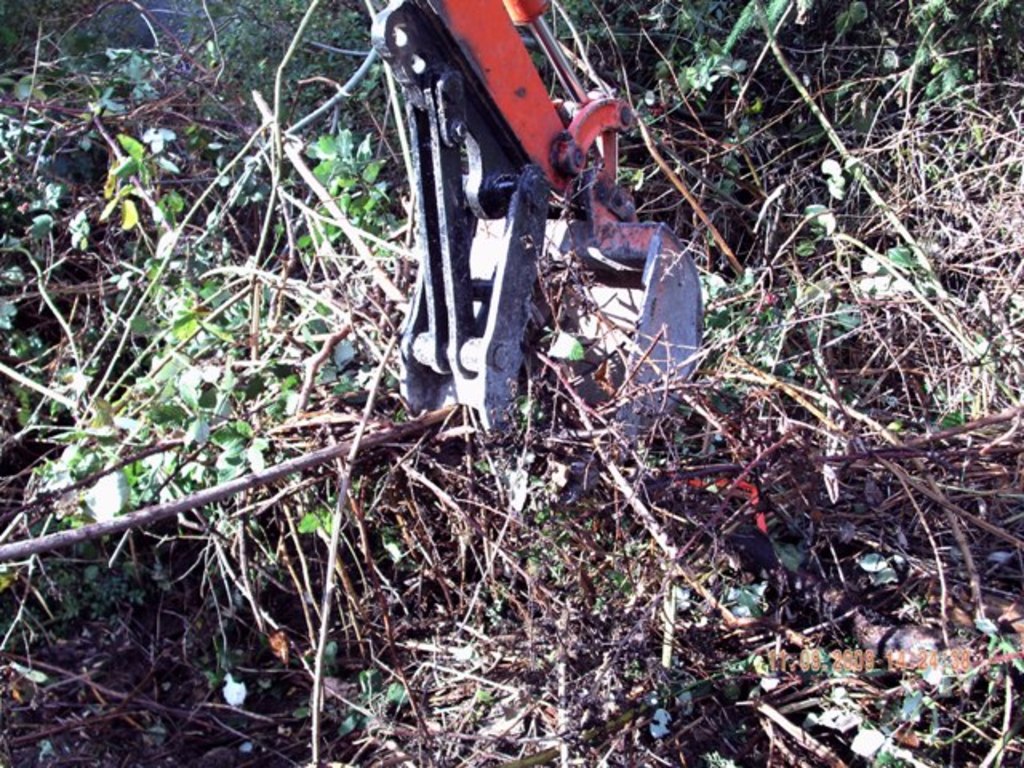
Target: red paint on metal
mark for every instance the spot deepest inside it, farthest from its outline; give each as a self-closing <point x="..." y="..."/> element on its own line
<point x="484" y="30"/>
<point x="525" y="11"/>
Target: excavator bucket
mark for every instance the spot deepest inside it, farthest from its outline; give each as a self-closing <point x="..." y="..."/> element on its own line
<point x="648" y="291"/>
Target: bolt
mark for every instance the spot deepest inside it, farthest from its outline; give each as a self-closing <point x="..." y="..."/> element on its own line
<point x="568" y="157"/>
<point x="457" y="131"/>
<point x="470" y="356"/>
<point x="424" y="352"/>
<point x="502" y="356"/>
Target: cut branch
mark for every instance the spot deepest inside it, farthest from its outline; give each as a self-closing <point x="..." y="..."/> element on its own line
<point x="148" y="515"/>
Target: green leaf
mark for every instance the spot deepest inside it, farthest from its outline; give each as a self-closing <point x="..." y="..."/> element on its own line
<point x="169" y="415"/>
<point x="396" y="694"/>
<point x="986" y="626"/>
<point x="11" y="274"/>
<point x="370" y="682"/>
<point x="351" y="723"/>
<point x="157" y="138"/>
<point x="186" y="326"/>
<point x="394" y="551"/>
<point x="880" y="569"/>
<point x="254" y="456"/>
<point x="39" y="678"/>
<point x="831" y="167"/>
<point x="805" y="248"/>
<point x="855" y="14"/>
<point x="172" y="202"/>
<point x="372" y="171"/>
<point x="873" y="562"/>
<point x="124" y="168"/>
<point x="24" y="90"/>
<point x="133" y="147"/>
<point x="913" y="703"/>
<point x="79" y="229"/>
<point x="42" y="225"/>
<point x="902" y="256"/>
<point x="309" y="523"/>
<point x="165" y="245"/>
<point x="109" y="208"/>
<point x="129" y="215"/>
<point x="566" y="347"/>
<point x="190" y="384"/>
<point x="821" y="218"/>
<point x="8" y="576"/>
<point x="790" y="555"/>
<point x="234" y="444"/>
<point x="837" y="187"/>
<point x="168" y="166"/>
<point x="229" y="466"/>
<point x="659" y="723"/>
<point x="109" y="496"/>
<point x="748" y="599"/>
<point x="867" y="742"/>
<point x="954" y="419"/>
<point x="325" y="148"/>
<point x="198" y="433"/>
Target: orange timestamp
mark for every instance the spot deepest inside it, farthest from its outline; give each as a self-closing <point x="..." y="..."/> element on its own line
<point x="858" y="660"/>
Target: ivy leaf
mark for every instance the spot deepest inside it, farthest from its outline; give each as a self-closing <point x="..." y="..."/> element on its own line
<point x="108" y="496"/>
<point x="157" y="138"/>
<point x="190" y="383"/>
<point x="659" y="723"/>
<point x="41" y="225"/>
<point x="198" y="433"/>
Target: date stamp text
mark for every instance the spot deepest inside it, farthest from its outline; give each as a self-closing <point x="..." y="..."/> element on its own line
<point x="851" y="661"/>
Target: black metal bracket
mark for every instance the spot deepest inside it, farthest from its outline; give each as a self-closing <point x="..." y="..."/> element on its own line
<point x="462" y="338"/>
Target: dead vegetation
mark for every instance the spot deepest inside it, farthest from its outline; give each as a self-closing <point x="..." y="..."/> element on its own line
<point x="842" y="475"/>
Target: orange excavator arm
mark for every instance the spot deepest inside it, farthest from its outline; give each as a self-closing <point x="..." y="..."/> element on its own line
<point x="489" y="142"/>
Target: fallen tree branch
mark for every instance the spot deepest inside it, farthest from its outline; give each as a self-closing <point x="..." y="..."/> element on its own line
<point x="148" y="515"/>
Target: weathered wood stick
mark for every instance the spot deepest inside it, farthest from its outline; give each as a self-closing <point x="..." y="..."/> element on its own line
<point x="18" y="550"/>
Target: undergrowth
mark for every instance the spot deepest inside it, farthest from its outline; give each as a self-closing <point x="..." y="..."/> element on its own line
<point x="186" y="299"/>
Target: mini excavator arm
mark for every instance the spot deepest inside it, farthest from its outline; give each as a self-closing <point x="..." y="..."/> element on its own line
<point x="488" y="142"/>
